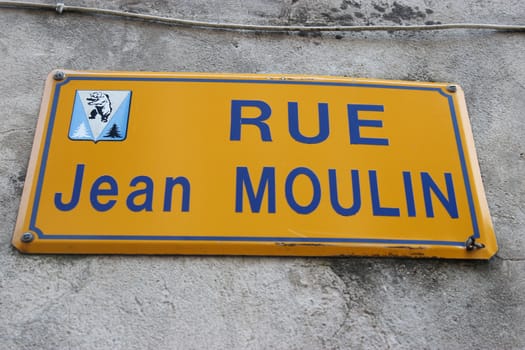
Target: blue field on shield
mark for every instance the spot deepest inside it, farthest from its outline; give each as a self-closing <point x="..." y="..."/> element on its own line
<point x="100" y="116"/>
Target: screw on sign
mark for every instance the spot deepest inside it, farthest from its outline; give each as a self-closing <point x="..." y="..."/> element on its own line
<point x="59" y="75"/>
<point x="27" y="237"/>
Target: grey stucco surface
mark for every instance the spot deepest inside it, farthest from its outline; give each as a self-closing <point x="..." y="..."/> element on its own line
<point x="173" y="302"/>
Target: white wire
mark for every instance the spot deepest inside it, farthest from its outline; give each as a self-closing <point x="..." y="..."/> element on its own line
<point x="61" y="7"/>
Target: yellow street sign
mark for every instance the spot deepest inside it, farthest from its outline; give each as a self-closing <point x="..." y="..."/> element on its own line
<point x="187" y="163"/>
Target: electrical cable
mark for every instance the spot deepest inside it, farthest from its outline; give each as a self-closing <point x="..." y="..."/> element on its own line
<point x="61" y="8"/>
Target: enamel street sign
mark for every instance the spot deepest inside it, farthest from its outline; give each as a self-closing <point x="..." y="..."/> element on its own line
<point x="186" y="163"/>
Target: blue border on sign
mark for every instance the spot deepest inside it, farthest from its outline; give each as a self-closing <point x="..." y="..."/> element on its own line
<point x="49" y="132"/>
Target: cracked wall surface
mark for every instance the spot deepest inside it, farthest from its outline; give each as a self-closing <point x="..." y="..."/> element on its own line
<point x="145" y="302"/>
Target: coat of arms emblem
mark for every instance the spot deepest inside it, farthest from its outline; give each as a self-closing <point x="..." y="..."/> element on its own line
<point x="100" y="115"/>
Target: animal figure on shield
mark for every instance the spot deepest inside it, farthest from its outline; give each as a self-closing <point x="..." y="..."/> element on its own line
<point x="101" y="104"/>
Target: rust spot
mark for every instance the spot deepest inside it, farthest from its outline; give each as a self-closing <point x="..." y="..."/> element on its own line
<point x="417" y="254"/>
<point x="405" y="247"/>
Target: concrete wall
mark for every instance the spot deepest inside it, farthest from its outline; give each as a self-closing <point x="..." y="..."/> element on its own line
<point x="142" y="302"/>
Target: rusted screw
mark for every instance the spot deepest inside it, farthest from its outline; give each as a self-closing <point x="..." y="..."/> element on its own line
<point x="471" y="244"/>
